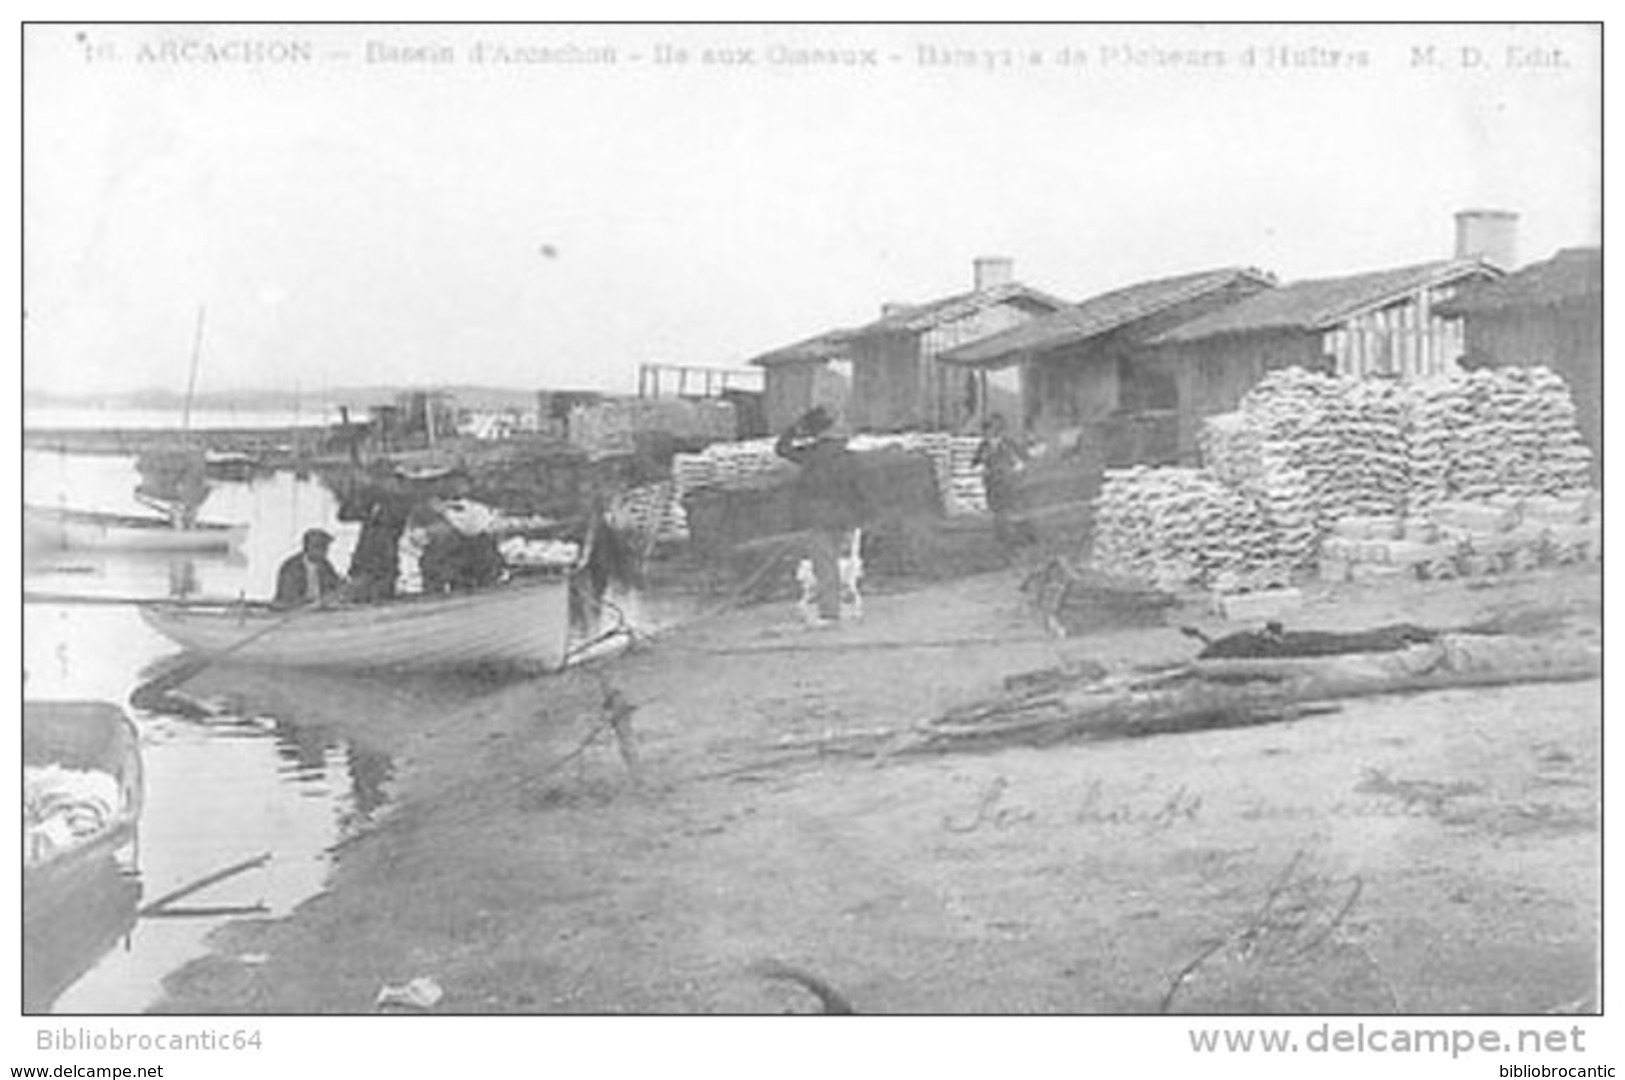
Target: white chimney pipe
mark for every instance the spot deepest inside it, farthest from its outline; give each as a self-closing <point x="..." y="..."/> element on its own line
<point x="1491" y="235"/>
<point x="991" y="270"/>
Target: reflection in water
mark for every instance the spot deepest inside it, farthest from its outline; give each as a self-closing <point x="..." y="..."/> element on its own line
<point x="305" y="747"/>
<point x="219" y="788"/>
<point x="182" y="578"/>
<point x="239" y="760"/>
<point x="300" y="714"/>
<point x="144" y="575"/>
<point x="370" y="775"/>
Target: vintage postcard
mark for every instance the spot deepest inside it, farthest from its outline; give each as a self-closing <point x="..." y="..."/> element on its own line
<point x="1085" y="520"/>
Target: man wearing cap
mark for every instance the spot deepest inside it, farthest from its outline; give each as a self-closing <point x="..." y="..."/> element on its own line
<point x="308" y="578"/>
<point x="827" y="501"/>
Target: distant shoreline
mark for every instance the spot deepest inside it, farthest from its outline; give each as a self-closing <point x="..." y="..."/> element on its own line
<point x="274" y="441"/>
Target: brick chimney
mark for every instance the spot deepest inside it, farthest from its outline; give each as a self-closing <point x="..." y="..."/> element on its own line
<point x="1491" y="235"/>
<point x="992" y="270"/>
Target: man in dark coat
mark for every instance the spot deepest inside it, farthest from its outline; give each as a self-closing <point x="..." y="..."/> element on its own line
<point x="1002" y="457"/>
<point x="827" y="501"/>
<point x="307" y="577"/>
<point x="453" y="561"/>
<point x="375" y="565"/>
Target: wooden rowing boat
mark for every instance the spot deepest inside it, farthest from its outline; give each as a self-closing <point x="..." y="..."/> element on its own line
<point x="94" y="530"/>
<point x="84" y="736"/>
<point x="66" y="931"/>
<point x="63" y="742"/>
<point x="522" y="624"/>
<point x="79" y="895"/>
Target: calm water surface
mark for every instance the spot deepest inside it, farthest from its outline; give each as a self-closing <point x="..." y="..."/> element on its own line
<point x="266" y="776"/>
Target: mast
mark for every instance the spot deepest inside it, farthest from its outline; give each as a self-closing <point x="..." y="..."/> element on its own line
<point x="191" y="378"/>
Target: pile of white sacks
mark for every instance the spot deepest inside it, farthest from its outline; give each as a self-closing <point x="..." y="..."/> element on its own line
<point x="735" y="464"/>
<point x="1175" y="526"/>
<point x="1307" y="451"/>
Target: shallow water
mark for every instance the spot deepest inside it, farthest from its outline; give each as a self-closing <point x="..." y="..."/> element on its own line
<point x="245" y="763"/>
<point x="219" y="789"/>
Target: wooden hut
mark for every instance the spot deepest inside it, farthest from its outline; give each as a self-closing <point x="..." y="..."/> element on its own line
<point x="1388" y="323"/>
<point x="1077" y="366"/>
<point x="897" y="379"/>
<point x="799" y="376"/>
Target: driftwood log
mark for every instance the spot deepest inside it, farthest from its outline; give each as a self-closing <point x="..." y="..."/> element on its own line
<point x="1243" y="692"/>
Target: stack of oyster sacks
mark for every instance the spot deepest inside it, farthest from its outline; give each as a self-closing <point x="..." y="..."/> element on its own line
<point x="1507" y="431"/>
<point x="953" y="457"/>
<point x="726" y="465"/>
<point x="1438" y="411"/>
<point x="1371" y="474"/>
<point x="1269" y="472"/>
<point x="1232" y="447"/>
<point x="1497" y="480"/>
<point x="1304" y="414"/>
<point x="1279" y="450"/>
<point x="1175" y="527"/>
<point x="650" y="511"/>
<point x="1537" y="416"/>
<point x="966" y="492"/>
<point x="1286" y="502"/>
<point x="723" y="465"/>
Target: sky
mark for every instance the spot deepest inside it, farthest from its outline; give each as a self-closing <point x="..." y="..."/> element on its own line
<point x="347" y="212"/>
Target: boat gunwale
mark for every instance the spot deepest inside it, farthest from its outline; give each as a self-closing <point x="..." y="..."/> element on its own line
<point x="226" y="607"/>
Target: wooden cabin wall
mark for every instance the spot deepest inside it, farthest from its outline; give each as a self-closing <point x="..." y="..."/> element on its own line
<point x="1215" y="374"/>
<point x="1405" y="338"/>
<point x="944" y="394"/>
<point x="788" y="392"/>
<point x="1071" y="386"/>
<point x="1089" y="381"/>
<point x="887" y="383"/>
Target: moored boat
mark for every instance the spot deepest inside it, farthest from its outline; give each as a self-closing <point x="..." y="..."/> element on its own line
<point x="521" y="624"/>
<point x="82" y="798"/>
<point x="232" y="465"/>
<point x="94" y="530"/>
<point x="82" y="793"/>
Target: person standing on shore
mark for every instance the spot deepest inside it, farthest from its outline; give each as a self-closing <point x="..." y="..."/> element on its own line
<point x="827" y="501"/>
<point x="1002" y="457"/>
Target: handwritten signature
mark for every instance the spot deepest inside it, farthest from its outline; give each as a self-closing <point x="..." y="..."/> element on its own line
<point x="991" y="810"/>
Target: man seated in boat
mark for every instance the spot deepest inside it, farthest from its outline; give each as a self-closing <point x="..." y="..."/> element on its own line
<point x="308" y="577"/>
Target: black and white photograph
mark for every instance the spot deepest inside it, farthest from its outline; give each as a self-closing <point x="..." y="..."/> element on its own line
<point x="752" y="520"/>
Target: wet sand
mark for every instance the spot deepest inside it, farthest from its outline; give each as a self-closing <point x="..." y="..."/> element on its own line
<point x="1433" y="853"/>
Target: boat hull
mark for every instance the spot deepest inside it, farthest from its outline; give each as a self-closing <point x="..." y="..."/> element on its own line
<point x="524" y="625"/>
<point x="81" y="735"/>
<point x="90" y="531"/>
<point x="80" y="899"/>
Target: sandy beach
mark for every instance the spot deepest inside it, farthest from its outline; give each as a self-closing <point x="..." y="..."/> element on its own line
<point x="1430" y="853"/>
